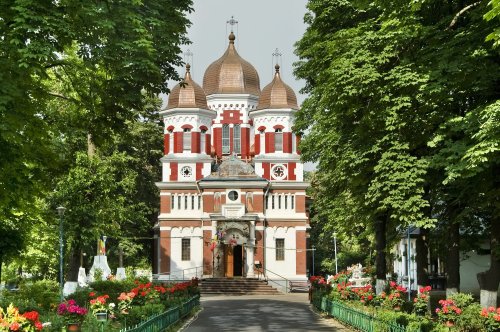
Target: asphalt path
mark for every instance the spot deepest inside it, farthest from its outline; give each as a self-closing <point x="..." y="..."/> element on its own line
<point x="290" y="312"/>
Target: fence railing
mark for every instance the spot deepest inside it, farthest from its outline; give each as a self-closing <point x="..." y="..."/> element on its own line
<point x="357" y="319"/>
<point x="168" y="318"/>
<point x="185" y="274"/>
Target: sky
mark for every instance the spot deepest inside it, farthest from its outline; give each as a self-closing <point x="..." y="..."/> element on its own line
<point x="263" y="26"/>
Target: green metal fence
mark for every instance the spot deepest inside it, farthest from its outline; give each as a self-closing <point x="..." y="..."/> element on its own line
<point x="355" y="318"/>
<point x="161" y="322"/>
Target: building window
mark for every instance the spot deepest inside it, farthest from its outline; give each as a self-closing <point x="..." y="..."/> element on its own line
<point x="279" y="202"/>
<point x="199" y="202"/>
<point x="292" y="202"/>
<point x="186" y="139"/>
<point x="186" y="249"/>
<point x="267" y="202"/>
<point x="192" y="202"/>
<point x="172" y="202"/>
<point x="278" y="140"/>
<point x="272" y="202"/>
<point x="203" y="144"/>
<point x="170" y="141"/>
<point x="286" y="201"/>
<point x="185" y="202"/>
<point x="280" y="249"/>
<point x="179" y="202"/>
<point x="225" y="139"/>
<point x="237" y="139"/>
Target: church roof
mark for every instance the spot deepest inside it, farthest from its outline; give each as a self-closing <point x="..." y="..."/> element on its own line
<point x="231" y="74"/>
<point x="187" y="94"/>
<point x="277" y="94"/>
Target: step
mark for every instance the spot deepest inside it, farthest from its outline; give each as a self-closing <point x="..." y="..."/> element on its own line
<point x="236" y="286"/>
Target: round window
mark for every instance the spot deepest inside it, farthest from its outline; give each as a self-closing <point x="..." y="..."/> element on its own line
<point x="233" y="195"/>
<point x="186" y="171"/>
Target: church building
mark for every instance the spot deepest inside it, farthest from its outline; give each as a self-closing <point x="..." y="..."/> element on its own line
<point x="232" y="193"/>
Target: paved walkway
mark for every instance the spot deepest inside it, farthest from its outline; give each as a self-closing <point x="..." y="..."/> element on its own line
<point x="290" y="312"/>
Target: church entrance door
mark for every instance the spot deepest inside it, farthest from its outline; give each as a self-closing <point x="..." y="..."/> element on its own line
<point x="238" y="261"/>
<point x="234" y="261"/>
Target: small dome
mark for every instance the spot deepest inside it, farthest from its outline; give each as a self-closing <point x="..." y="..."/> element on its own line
<point x="231" y="74"/>
<point x="187" y="94"/>
<point x="277" y="94"/>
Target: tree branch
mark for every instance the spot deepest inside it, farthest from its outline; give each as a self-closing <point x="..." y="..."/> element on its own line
<point x="463" y="10"/>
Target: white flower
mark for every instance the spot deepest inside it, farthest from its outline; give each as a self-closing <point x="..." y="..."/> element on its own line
<point x="112" y="305"/>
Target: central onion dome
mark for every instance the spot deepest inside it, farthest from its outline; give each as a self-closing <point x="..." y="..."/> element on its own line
<point x="187" y="94"/>
<point x="231" y="74"/>
<point x="277" y="94"/>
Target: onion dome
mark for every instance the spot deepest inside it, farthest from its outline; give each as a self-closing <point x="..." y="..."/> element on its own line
<point x="231" y="74"/>
<point x="277" y="94"/>
<point x="187" y="94"/>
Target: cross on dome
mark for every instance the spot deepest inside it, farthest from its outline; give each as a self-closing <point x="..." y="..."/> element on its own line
<point x="232" y="22"/>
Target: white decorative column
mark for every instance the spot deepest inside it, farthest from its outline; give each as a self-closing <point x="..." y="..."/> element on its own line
<point x="250" y="251"/>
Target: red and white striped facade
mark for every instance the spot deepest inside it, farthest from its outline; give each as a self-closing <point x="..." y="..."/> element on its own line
<point x="232" y="191"/>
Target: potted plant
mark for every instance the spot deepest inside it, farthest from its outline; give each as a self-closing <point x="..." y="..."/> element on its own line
<point x="72" y="313"/>
<point x="100" y="308"/>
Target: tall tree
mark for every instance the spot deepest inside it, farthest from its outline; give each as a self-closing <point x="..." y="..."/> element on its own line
<point x="73" y="73"/>
<point x="383" y="78"/>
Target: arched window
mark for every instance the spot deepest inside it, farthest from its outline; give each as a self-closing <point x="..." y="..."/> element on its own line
<point x="186" y="139"/>
<point x="203" y="144"/>
<point x="171" y="141"/>
<point x="278" y="139"/>
<point x="237" y="139"/>
<point x="225" y="139"/>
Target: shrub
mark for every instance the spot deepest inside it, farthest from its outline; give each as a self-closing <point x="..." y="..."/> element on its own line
<point x="139" y="313"/>
<point x="41" y="295"/>
<point x="111" y="288"/>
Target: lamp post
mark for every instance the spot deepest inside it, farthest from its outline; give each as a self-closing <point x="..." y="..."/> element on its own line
<point x="408" y="254"/>
<point x="313" y="250"/>
<point x="335" y="248"/>
<point x="60" y="211"/>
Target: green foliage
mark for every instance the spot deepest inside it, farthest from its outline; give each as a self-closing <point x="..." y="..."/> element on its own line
<point x="140" y="313"/>
<point x="112" y="288"/>
<point x="402" y="103"/>
<point x="470" y="320"/>
<point x="62" y="82"/>
<point x="42" y="296"/>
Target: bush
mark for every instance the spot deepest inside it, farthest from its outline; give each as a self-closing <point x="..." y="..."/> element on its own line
<point x="42" y="296"/>
<point x="81" y="296"/>
<point x="112" y="288"/>
<point x="139" y="313"/>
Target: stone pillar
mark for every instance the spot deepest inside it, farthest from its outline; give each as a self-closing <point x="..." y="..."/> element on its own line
<point x="250" y="251"/>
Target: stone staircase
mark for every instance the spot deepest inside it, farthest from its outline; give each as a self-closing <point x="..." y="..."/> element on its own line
<point x="236" y="286"/>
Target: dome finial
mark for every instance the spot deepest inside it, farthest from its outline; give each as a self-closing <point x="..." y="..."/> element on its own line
<point x="232" y="37"/>
<point x="188" y="68"/>
<point x="277" y="67"/>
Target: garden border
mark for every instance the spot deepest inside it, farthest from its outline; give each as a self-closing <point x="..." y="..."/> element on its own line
<point x="355" y="318"/>
<point x="166" y="319"/>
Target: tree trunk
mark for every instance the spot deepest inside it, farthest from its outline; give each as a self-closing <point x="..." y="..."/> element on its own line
<point x="73" y="265"/>
<point x="1" y="262"/>
<point x="380" y="244"/>
<point x="490" y="279"/>
<point x="422" y="258"/>
<point x="453" y="261"/>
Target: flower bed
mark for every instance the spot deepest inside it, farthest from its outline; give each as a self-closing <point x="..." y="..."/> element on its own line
<point x="91" y="309"/>
<point x="391" y="311"/>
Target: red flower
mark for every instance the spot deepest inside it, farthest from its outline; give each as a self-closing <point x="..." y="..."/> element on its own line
<point x="38" y="325"/>
<point x="15" y="326"/>
<point x="31" y="315"/>
<point x="91" y="294"/>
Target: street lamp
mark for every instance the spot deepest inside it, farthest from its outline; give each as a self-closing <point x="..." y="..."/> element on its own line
<point x="335" y="247"/>
<point x="313" y="250"/>
<point x="60" y="211"/>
